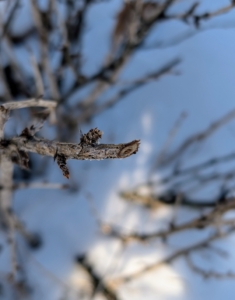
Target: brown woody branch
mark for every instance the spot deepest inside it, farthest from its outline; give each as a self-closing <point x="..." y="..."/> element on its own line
<point x="97" y="282"/>
<point x="91" y="109"/>
<point x="116" y="282"/>
<point x="88" y="148"/>
<point x="198" y="137"/>
<point x="69" y="150"/>
<point x="212" y="218"/>
<point x="207" y="273"/>
<point x="196" y="18"/>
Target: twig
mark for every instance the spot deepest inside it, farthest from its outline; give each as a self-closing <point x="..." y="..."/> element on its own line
<point x="44" y="51"/>
<point x="88" y="148"/>
<point x="196" y="18"/>
<point x="184" y="251"/>
<point x="6" y="176"/>
<point x="37" y="76"/>
<point x="93" y="110"/>
<point x="207" y="273"/>
<point x="96" y="280"/>
<point x="34" y="102"/>
<point x="213" y="218"/>
<point x="169" y="140"/>
<point x="170" y="197"/>
<point x="71" y="151"/>
<point x="199" y="137"/>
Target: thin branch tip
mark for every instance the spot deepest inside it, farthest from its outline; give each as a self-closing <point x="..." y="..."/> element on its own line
<point x="129" y="149"/>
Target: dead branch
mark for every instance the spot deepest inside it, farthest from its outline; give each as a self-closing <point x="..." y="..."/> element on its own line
<point x="212" y="218"/>
<point x="91" y="110"/>
<point x="88" y="148"/>
<point x="116" y="282"/>
<point x="197" y="18"/>
<point x="206" y="274"/>
<point x="199" y="137"/>
<point x="96" y="280"/>
<point x="70" y="151"/>
<point x="34" y="102"/>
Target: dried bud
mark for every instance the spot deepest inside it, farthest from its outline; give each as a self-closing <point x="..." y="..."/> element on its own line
<point x="92" y="137"/>
<point x="32" y="130"/>
<point x="61" y="161"/>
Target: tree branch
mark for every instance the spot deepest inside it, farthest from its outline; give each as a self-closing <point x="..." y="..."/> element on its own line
<point x="88" y="148"/>
<point x="169" y="259"/>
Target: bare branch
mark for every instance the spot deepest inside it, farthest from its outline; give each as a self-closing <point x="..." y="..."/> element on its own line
<point x="37" y="76"/>
<point x="71" y="151"/>
<point x="4" y="115"/>
<point x="180" y="253"/>
<point x="197" y="18"/>
<point x="199" y="137"/>
<point x="169" y="140"/>
<point x="92" y="110"/>
<point x="96" y="280"/>
<point x="212" y="218"/>
<point x="207" y="273"/>
<point x="34" y="102"/>
<point x="88" y="148"/>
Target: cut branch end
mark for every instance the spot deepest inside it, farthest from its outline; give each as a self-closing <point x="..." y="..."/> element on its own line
<point x="129" y="149"/>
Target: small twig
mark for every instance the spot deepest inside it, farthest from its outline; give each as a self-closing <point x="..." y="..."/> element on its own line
<point x="199" y="137"/>
<point x="97" y="280"/>
<point x="34" y="102"/>
<point x="4" y="116"/>
<point x="37" y="76"/>
<point x="169" y="140"/>
<point x="212" y="218"/>
<point x="92" y="110"/>
<point x="184" y="251"/>
<point x="207" y="273"/>
<point x="196" y="18"/>
<point x="43" y="34"/>
<point x="6" y="176"/>
<point x="87" y="149"/>
<point x="70" y="151"/>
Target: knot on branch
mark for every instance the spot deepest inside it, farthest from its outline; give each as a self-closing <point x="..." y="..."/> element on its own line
<point x="26" y="133"/>
<point x="129" y="149"/>
<point x="20" y="158"/>
<point x="32" y="130"/>
<point x="92" y="137"/>
<point x="4" y="144"/>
